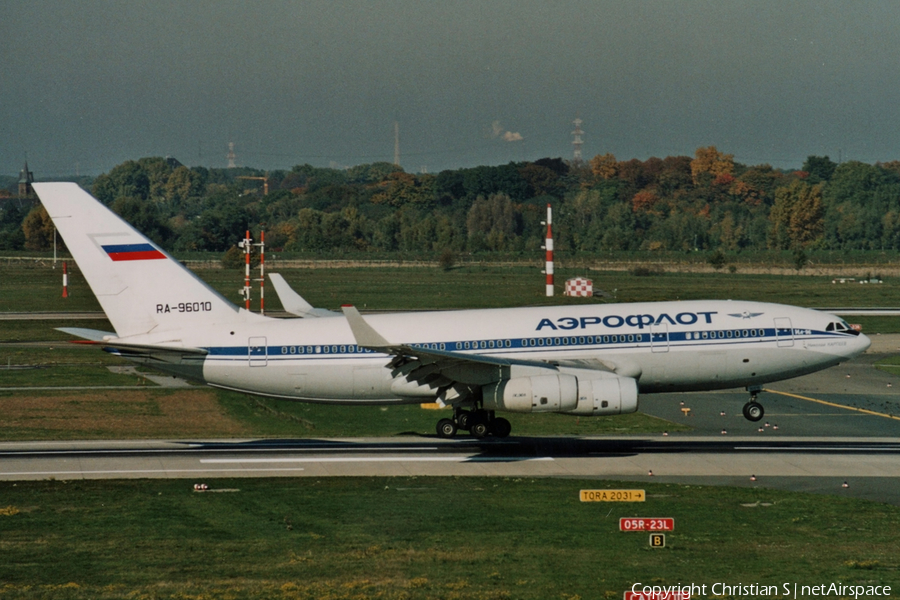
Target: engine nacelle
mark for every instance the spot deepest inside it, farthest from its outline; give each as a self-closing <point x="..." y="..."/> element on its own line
<point x="539" y="393"/>
<point x="611" y="395"/>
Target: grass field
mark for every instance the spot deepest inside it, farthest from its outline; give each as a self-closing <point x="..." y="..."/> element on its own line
<point x="412" y="538"/>
<point x="206" y="413"/>
<point x="37" y="287"/>
<point x="889" y="364"/>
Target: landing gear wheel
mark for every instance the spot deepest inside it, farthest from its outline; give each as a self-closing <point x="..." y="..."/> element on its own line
<point x="446" y="428"/>
<point x="753" y="411"/>
<point x="500" y="427"/>
<point x="479" y="430"/>
<point x="462" y="419"/>
<point x="479" y="426"/>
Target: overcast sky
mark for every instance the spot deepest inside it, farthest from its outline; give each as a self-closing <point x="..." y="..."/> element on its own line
<point x="87" y="85"/>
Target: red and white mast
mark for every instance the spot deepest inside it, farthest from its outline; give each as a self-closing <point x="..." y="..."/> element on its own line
<point x="549" y="247"/>
<point x="262" y="272"/>
<point x="247" y="245"/>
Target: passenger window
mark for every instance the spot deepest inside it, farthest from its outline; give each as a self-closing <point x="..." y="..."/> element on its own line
<point x="704" y="335"/>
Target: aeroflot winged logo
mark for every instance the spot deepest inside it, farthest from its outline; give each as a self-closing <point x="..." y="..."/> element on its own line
<point x="745" y="315"/>
<point x="119" y="252"/>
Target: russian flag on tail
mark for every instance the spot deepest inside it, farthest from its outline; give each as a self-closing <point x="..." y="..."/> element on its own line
<point x="119" y="252"/>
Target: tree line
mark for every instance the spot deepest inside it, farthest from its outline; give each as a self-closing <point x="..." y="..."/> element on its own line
<point x="707" y="202"/>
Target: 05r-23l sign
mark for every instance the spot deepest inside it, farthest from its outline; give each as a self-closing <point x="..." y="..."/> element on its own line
<point x="646" y="524"/>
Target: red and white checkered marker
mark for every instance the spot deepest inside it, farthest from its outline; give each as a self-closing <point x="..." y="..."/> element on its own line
<point x="579" y="286"/>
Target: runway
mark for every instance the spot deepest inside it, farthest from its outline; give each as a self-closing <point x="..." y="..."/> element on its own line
<point x="838" y="426"/>
<point x="773" y="462"/>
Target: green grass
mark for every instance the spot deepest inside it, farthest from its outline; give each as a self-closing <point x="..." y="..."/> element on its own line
<point x="889" y="364"/>
<point x="60" y="365"/>
<point x="411" y="538"/>
<point x="202" y="412"/>
<point x="37" y="287"/>
<point x="46" y="330"/>
<point x="266" y="417"/>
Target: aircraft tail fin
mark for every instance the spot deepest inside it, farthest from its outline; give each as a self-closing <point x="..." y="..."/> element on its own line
<point x="140" y="287"/>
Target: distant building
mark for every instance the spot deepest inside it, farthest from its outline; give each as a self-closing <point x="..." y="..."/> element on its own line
<point x="173" y="163"/>
<point x="26" y="178"/>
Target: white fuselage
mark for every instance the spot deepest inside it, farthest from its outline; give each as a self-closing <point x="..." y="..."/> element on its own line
<point x="665" y="346"/>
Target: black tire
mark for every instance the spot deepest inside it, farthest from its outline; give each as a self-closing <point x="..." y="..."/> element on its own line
<point x="446" y="428"/>
<point x="500" y="427"/>
<point x="462" y="419"/>
<point x="754" y="411"/>
<point x="479" y="428"/>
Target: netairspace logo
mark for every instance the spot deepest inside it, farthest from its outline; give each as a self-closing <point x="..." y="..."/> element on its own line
<point x="794" y="591"/>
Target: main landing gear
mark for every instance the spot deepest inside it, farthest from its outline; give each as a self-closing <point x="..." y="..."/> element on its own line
<point x="479" y="422"/>
<point x="753" y="410"/>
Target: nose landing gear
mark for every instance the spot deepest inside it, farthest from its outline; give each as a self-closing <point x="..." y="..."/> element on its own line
<point x="753" y="410"/>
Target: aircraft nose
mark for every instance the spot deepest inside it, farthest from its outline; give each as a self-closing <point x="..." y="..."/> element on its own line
<point x="862" y="343"/>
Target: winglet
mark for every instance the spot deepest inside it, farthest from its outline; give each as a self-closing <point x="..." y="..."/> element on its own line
<point x="294" y="302"/>
<point x="365" y="335"/>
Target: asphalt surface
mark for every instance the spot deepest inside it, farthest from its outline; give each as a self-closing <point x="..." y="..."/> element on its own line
<point x="834" y="432"/>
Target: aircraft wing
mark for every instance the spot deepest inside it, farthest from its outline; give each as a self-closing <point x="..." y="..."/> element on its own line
<point x="422" y="370"/>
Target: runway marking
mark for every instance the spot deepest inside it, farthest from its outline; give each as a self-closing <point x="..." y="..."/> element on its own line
<point x="818" y="449"/>
<point x="139" y="471"/>
<point x="826" y="403"/>
<point x="348" y="459"/>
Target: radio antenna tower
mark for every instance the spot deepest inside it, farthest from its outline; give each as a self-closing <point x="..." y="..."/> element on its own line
<point x="396" y="143"/>
<point x="231" y="156"/>
<point x="577" y="142"/>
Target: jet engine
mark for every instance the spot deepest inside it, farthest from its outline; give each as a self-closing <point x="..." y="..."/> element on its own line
<point x="612" y="395"/>
<point x="538" y="393"/>
<point x="606" y="394"/>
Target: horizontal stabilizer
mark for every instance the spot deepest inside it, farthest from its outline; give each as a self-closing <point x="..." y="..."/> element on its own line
<point x="93" y="335"/>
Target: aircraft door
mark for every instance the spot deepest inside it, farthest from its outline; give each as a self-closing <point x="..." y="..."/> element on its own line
<point x="257" y="352"/>
<point x="784" y="332"/>
<point x="659" y="338"/>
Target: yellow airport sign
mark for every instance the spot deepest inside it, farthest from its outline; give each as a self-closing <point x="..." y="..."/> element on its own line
<point x="613" y="496"/>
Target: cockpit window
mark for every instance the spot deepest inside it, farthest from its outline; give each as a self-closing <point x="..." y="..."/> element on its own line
<point x="842" y="327"/>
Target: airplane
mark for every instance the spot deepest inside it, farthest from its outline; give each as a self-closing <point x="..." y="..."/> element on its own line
<point x="586" y="360"/>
